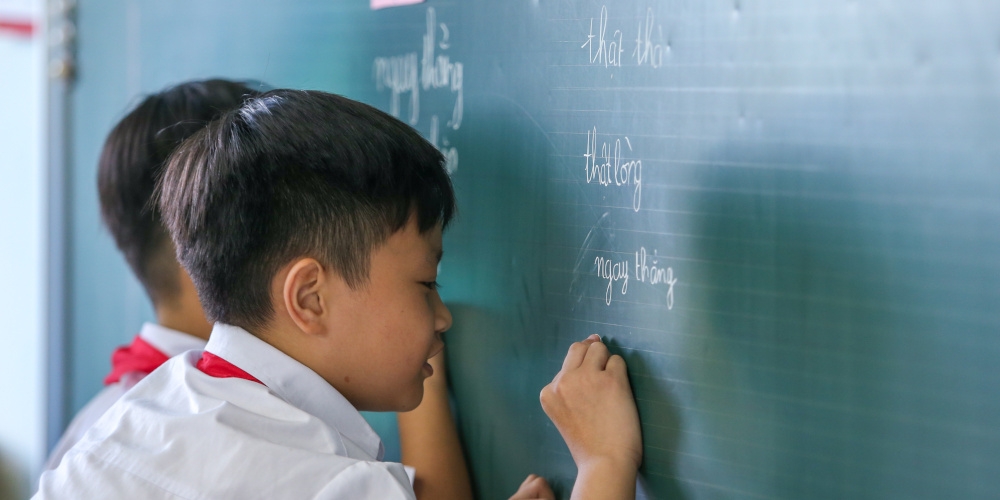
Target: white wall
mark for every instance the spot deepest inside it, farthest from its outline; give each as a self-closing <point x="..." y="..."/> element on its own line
<point x="22" y="257"/>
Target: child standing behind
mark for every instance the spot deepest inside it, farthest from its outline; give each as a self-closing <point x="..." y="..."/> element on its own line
<point x="131" y="161"/>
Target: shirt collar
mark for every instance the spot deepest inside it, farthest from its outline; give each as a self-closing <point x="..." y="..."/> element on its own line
<point x="296" y="384"/>
<point x="169" y="341"/>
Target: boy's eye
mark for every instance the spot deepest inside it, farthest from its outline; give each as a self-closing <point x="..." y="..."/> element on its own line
<point x="433" y="285"/>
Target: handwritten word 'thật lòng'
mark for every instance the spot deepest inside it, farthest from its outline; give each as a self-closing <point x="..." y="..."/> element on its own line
<point x="606" y="167"/>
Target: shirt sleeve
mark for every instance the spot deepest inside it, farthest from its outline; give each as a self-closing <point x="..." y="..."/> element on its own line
<point x="83" y="421"/>
<point x="82" y="476"/>
<point x="369" y="481"/>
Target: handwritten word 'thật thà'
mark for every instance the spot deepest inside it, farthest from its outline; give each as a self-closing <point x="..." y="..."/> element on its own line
<point x="608" y="50"/>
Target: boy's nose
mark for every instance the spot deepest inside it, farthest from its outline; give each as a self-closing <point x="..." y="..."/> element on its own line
<point x="442" y="320"/>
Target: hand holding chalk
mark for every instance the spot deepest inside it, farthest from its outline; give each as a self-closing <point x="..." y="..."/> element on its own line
<point x="590" y="402"/>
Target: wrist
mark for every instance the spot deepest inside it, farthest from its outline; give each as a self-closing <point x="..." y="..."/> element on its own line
<point x="605" y="478"/>
<point x="609" y="466"/>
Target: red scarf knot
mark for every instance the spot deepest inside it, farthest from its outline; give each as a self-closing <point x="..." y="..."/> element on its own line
<point x="138" y="357"/>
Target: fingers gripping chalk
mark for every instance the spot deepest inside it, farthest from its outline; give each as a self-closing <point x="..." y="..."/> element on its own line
<point x="574" y="357"/>
<point x="597" y="355"/>
<point x="578" y="351"/>
<point x="616" y="364"/>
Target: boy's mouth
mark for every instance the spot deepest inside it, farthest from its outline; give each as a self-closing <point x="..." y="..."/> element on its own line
<point x="428" y="369"/>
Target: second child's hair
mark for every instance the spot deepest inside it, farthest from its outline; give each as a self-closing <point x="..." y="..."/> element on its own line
<point x="295" y="174"/>
<point x="132" y="161"/>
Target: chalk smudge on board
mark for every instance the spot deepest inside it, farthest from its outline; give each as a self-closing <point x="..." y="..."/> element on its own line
<point x="584" y="250"/>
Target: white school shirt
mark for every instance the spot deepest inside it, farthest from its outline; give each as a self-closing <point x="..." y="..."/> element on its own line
<point x="181" y="433"/>
<point x="166" y="340"/>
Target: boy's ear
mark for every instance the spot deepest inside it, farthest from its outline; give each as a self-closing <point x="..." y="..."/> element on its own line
<point x="302" y="295"/>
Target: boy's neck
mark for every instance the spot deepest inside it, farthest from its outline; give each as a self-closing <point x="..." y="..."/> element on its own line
<point x="185" y="321"/>
<point x="183" y="312"/>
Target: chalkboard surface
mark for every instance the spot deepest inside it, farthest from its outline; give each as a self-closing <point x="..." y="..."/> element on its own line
<point x="785" y="215"/>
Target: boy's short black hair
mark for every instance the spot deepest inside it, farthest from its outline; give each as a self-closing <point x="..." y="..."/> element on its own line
<point x="132" y="161"/>
<point x="292" y="174"/>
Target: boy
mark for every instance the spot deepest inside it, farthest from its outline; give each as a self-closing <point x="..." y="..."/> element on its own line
<point x="311" y="227"/>
<point x="132" y="160"/>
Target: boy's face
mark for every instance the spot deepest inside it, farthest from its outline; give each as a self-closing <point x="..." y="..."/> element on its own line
<point x="391" y="327"/>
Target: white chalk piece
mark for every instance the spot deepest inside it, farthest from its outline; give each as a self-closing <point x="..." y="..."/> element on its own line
<point x="381" y="4"/>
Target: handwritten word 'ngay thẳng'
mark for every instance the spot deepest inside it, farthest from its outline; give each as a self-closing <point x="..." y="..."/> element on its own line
<point x="433" y="71"/>
<point x="648" y="270"/>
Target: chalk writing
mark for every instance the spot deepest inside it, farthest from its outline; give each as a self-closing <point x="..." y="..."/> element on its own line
<point x="649" y="270"/>
<point x="612" y="271"/>
<point x="607" y="49"/>
<point x="434" y="71"/>
<point x="399" y="75"/>
<point x="450" y="153"/>
<point x="647" y="52"/>
<point x="606" y="166"/>
<point x="438" y="71"/>
<point x="604" y="50"/>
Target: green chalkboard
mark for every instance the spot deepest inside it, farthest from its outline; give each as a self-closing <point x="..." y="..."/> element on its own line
<point x="785" y="215"/>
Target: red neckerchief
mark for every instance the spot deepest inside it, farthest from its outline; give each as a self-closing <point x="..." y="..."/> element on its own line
<point x="139" y="356"/>
<point x="217" y="367"/>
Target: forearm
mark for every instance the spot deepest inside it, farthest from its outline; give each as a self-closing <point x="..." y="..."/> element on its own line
<point x="604" y="480"/>
<point x="430" y="444"/>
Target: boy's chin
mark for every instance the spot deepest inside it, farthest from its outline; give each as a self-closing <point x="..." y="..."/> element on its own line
<point x="412" y="400"/>
<point x="401" y="403"/>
